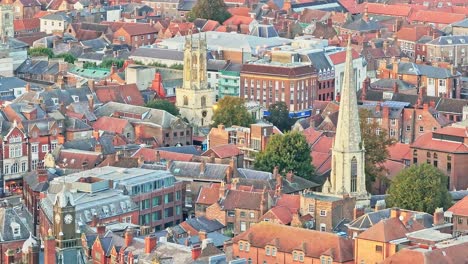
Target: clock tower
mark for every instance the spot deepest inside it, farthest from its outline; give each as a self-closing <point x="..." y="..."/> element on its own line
<point x="64" y="220"/>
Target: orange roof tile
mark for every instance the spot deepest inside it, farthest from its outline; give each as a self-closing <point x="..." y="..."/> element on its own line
<point x="287" y="239"/>
<point x="399" y="152"/>
<point x="210" y="25"/>
<point x="388" y="10"/>
<point x="428" y="16"/>
<point x="188" y="228"/>
<point x="460" y="208"/>
<point x="238" y="20"/>
<point x="386" y="230"/>
<point x="223" y="151"/>
<point x="412" y="33"/>
<point x="26" y="24"/>
<point x="41" y="14"/>
<point x="111" y="124"/>
<point x="135" y="29"/>
<point x="290" y="201"/>
<point x="393" y="168"/>
<point x="208" y="195"/>
<point x="312" y="135"/>
<point x="282" y="213"/>
<point x="239" y="11"/>
<point x="323" y="145"/>
<point x="125" y="94"/>
<point x="340" y="57"/>
<point x="427" y="142"/>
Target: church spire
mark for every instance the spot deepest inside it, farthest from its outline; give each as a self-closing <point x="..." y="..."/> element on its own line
<point x="348" y="175"/>
<point x="348" y="133"/>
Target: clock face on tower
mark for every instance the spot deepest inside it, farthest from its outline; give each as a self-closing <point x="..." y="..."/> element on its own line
<point x="57" y="218"/>
<point x="68" y="219"/>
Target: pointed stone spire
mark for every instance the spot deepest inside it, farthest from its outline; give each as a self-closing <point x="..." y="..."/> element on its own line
<point x="348" y="175"/>
<point x="348" y="133"/>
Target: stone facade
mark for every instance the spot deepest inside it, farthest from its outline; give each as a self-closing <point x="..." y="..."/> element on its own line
<point x="195" y="98"/>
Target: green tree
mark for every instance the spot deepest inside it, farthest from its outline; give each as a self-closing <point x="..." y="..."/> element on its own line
<point x="210" y="9"/>
<point x="107" y="63"/>
<point x="279" y="116"/>
<point x="376" y="145"/>
<point x="88" y="65"/>
<point x="290" y="152"/>
<point x="35" y="52"/>
<point x="420" y="188"/>
<point x="231" y="111"/>
<point x="163" y="105"/>
<point x="67" y="57"/>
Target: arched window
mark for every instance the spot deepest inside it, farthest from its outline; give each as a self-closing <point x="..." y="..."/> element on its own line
<point x="354" y="174"/>
<point x="185" y="100"/>
<point x="14" y="168"/>
<point x="203" y="101"/>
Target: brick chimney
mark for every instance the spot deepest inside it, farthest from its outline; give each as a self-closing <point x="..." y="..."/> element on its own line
<point x="10" y="256"/>
<point x="28" y="87"/>
<point x="395" y="87"/>
<point x="150" y="243"/>
<point x="128" y="237"/>
<point x="94" y="221"/>
<point x="49" y="249"/>
<point x="158" y="156"/>
<point x="439" y="217"/>
<point x="365" y="16"/>
<point x="42" y="175"/>
<point x="91" y="85"/>
<point x="395" y="212"/>
<point x="233" y="163"/>
<point x="228" y="175"/>
<point x="338" y="97"/>
<point x="202" y="167"/>
<point x="91" y="103"/>
<point x="222" y="190"/>
<point x="380" y="205"/>
<point x="358" y="211"/>
<point x="196" y="251"/>
<point x="202" y="235"/>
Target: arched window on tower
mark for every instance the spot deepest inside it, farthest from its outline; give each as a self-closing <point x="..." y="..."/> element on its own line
<point x="203" y="101"/>
<point x="185" y="100"/>
<point x="354" y="174"/>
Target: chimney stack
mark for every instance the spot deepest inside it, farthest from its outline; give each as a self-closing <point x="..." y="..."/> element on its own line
<point x="202" y="235"/>
<point x="158" y="156"/>
<point x="128" y="236"/>
<point x="101" y="229"/>
<point x="395" y="212"/>
<point x="222" y="190"/>
<point x="202" y="167"/>
<point x="380" y="205"/>
<point x="151" y="242"/>
<point x="358" y="211"/>
<point x="49" y="249"/>
<point x="196" y="251"/>
<point x="395" y="87"/>
<point x="28" y="87"/>
<point x="439" y="217"/>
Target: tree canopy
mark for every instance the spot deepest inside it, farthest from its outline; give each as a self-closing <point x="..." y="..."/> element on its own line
<point x="376" y="142"/>
<point x="420" y="188"/>
<point x="35" y="52"/>
<point x="290" y="152"/>
<point x="231" y="111"/>
<point x="163" y="105"/>
<point x="210" y="9"/>
<point x="279" y="116"/>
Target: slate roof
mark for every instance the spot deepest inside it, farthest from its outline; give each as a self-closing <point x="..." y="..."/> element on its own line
<point x="449" y="40"/>
<point x="73" y="124"/>
<point x="10" y="216"/>
<point x="362" y="25"/>
<point x="389" y="84"/>
<point x="205" y="224"/>
<point x="58" y="16"/>
<point x="264" y="31"/>
<point x="157" y="53"/>
<point x="105" y="140"/>
<point x="150" y="155"/>
<point x="319" y="60"/>
<point x="7" y="83"/>
<point x="193" y="170"/>
<point x="463" y="23"/>
<point x="149" y="115"/>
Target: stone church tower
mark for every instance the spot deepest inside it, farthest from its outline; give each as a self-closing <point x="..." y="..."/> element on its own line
<point x="347" y="174"/>
<point x="195" y="98"/>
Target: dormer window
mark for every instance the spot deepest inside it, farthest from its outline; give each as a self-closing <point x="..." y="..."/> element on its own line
<point x="55" y="101"/>
<point x="76" y="99"/>
<point x="15" y="228"/>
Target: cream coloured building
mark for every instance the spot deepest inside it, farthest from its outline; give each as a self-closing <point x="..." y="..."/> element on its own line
<point x="195" y="98"/>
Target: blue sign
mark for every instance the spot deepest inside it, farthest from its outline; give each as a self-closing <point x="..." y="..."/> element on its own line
<point x="300" y="114"/>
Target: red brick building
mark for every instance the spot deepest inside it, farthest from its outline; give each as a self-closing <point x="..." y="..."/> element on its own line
<point x="25" y="9"/>
<point x="136" y="34"/>
<point x="295" y="84"/>
<point x="447" y="150"/>
<point x="272" y="243"/>
<point x="458" y="214"/>
<point x="14" y="158"/>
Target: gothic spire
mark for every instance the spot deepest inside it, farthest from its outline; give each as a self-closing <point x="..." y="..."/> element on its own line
<point x="348" y="133"/>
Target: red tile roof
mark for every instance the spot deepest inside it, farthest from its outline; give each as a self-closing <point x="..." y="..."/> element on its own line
<point x="208" y="195"/>
<point x="436" y="17"/>
<point x="188" y="228"/>
<point x="149" y="155"/>
<point x="290" y="201"/>
<point x="243" y="200"/>
<point x="238" y="20"/>
<point x="340" y="57"/>
<point x="112" y="124"/>
<point x="26" y="24"/>
<point x="352" y="6"/>
<point x="412" y="33"/>
<point x="210" y="25"/>
<point x="74" y="159"/>
<point x="135" y="29"/>
<point x="393" y="168"/>
<point x="312" y="135"/>
<point x="399" y="152"/>
<point x="287" y="239"/>
<point x="223" y="151"/>
<point x="41" y="14"/>
<point x="323" y="145"/>
<point x="125" y="94"/>
<point x="239" y="11"/>
<point x="386" y="231"/>
<point x="460" y="208"/>
<point x="282" y="214"/>
<point x="388" y="10"/>
<point x="427" y="142"/>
